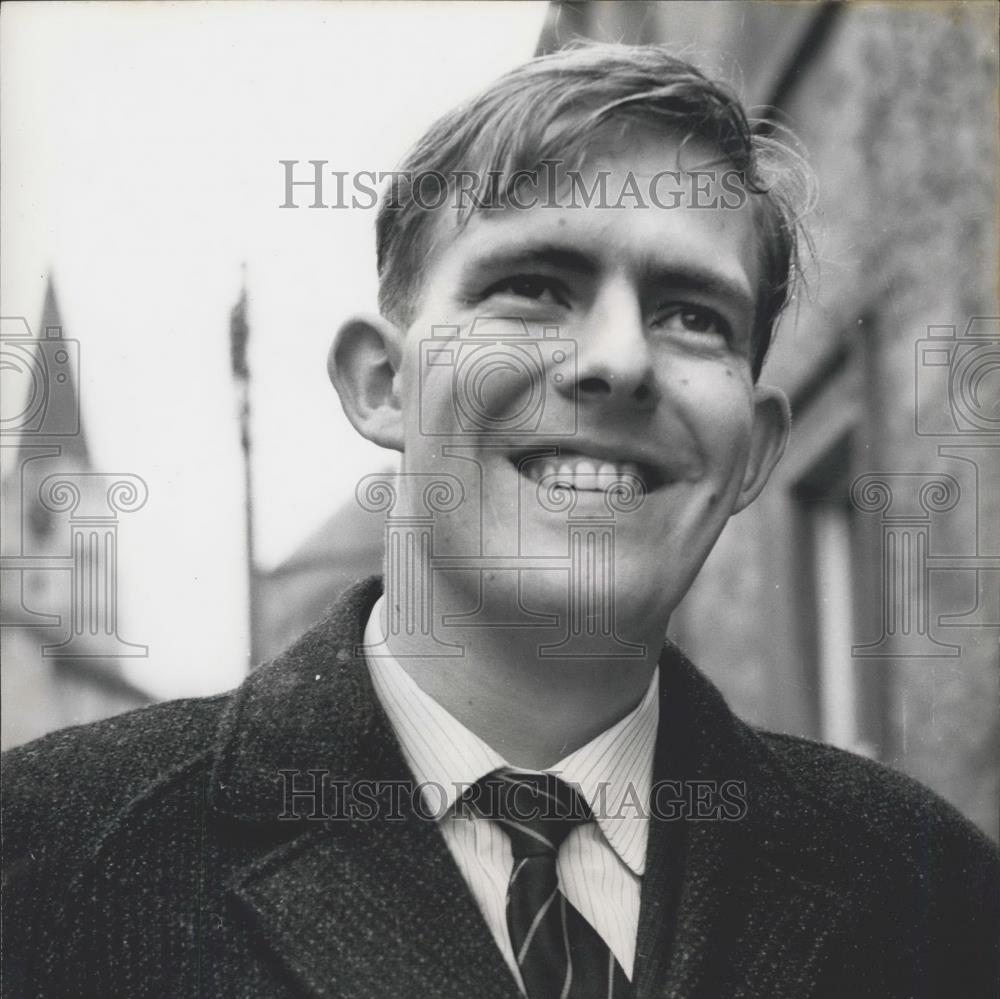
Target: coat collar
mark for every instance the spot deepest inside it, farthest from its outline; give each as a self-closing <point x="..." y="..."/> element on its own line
<point x="312" y="708"/>
<point x="728" y="908"/>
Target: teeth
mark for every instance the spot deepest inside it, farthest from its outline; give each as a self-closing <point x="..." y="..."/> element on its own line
<point x="582" y="474"/>
<point x="585" y="475"/>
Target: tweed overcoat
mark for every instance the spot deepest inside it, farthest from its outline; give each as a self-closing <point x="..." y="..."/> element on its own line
<point x="154" y="854"/>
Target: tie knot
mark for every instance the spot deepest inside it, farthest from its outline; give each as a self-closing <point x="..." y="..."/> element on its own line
<point x="537" y="811"/>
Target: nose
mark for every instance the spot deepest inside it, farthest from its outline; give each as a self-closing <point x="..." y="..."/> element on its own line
<point x="614" y="363"/>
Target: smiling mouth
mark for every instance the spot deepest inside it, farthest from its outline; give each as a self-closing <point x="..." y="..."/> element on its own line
<point x="586" y="474"/>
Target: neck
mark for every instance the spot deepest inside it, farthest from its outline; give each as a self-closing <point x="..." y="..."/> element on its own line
<point x="531" y="709"/>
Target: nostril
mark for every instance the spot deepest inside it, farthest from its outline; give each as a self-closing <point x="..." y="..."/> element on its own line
<point x="594" y="386"/>
<point x="643" y="393"/>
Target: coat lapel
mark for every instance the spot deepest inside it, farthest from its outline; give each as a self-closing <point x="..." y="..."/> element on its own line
<point x="730" y="908"/>
<point x="349" y="907"/>
<point x="376" y="909"/>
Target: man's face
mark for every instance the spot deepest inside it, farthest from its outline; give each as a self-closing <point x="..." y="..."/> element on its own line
<point x="648" y="376"/>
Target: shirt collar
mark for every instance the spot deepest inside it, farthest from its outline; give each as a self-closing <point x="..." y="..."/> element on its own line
<point x="613" y="771"/>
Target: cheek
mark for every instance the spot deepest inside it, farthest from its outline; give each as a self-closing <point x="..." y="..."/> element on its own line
<point x="732" y="435"/>
<point x="717" y="400"/>
<point x="725" y="435"/>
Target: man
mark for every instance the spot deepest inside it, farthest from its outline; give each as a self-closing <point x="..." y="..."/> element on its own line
<point x="494" y="779"/>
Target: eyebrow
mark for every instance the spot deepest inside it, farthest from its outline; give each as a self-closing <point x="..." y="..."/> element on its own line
<point x="689" y="275"/>
<point x="680" y="274"/>
<point x="553" y="254"/>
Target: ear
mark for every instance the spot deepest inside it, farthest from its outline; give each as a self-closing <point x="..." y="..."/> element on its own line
<point x="772" y="419"/>
<point x="363" y="364"/>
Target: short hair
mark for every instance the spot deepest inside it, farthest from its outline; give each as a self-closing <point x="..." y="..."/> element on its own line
<point x="549" y="108"/>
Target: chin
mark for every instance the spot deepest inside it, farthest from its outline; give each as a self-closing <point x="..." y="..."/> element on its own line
<point x="637" y="596"/>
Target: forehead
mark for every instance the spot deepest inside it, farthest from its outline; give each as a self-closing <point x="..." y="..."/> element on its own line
<point x="701" y="225"/>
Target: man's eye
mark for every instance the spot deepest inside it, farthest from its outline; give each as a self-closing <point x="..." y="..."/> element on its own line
<point x="693" y="319"/>
<point x="538" y="289"/>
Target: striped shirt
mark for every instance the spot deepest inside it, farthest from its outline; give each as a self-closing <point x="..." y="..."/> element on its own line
<point x="600" y="864"/>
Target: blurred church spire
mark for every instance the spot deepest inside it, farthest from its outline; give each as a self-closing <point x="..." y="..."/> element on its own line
<point x="41" y="416"/>
<point x="48" y="403"/>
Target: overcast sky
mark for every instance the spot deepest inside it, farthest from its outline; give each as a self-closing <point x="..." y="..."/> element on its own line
<point x="140" y="149"/>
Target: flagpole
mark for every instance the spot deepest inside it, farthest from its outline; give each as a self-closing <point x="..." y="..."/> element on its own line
<point x="239" y="334"/>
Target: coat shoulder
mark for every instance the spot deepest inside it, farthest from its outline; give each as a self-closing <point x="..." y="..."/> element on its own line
<point x="868" y="803"/>
<point x="920" y="872"/>
<point x="63" y="789"/>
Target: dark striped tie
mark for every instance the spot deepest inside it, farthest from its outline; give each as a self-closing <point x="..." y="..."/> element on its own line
<point x="560" y="955"/>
